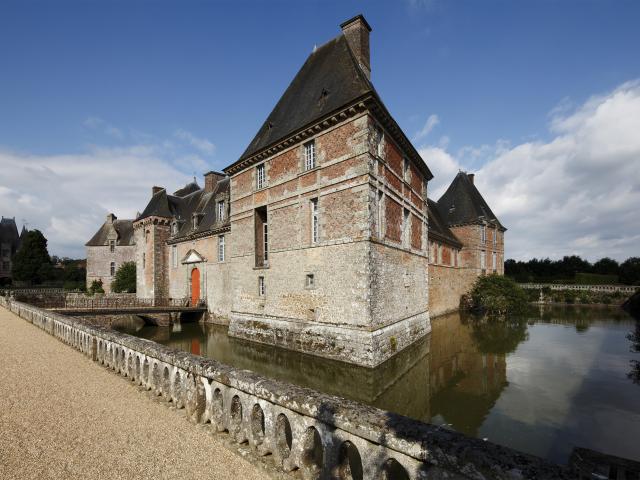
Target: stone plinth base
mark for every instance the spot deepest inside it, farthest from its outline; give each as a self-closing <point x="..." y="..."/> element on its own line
<point x="357" y="346"/>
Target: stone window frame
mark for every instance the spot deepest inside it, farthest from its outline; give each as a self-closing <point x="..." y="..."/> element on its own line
<point x="483" y="234"/>
<point x="495" y="237"/>
<point x="483" y="260"/>
<point x="494" y="261"/>
<point x="221" y="248"/>
<point x="220" y="210"/>
<point x="406" y="227"/>
<point x="406" y="170"/>
<point x="310" y="155"/>
<point x="174" y="227"/>
<point x="112" y="246"/>
<point x="112" y="269"/>
<point x="262" y="290"/>
<point x="377" y="140"/>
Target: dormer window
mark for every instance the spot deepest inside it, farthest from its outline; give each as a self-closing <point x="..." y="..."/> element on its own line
<point x="221" y="210"/>
<point x="174" y="228"/>
<point x="196" y="220"/>
<point x="112" y="246"/>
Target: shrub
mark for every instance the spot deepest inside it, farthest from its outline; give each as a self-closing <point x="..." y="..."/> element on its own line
<point x="96" y="287"/>
<point x="498" y="295"/>
<point x="125" y="280"/>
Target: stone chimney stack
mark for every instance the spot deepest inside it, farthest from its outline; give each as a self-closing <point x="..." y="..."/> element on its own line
<point x="156" y="189"/>
<point x="471" y="176"/>
<point x="211" y="179"/>
<point x="356" y="31"/>
<point x="110" y="218"/>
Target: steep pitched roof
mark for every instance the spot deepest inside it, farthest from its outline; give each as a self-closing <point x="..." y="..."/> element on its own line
<point x="9" y="231"/>
<point x="187" y="189"/>
<point x="182" y="208"/>
<point x="462" y="204"/>
<point x="438" y="229"/>
<point x="328" y="80"/>
<point x="124" y="229"/>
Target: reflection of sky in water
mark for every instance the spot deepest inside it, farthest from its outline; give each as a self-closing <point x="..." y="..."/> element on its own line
<point x="543" y="388"/>
<point x="569" y="389"/>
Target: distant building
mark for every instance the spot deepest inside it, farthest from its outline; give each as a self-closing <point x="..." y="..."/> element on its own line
<point x="10" y="242"/>
<point x="110" y="247"/>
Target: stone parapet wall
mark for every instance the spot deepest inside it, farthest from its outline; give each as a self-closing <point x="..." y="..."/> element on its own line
<point x="446" y="287"/>
<point x="319" y="435"/>
<point x="590" y="288"/>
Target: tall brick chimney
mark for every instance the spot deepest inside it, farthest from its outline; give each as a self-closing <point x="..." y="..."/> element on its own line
<point x="356" y="30"/>
<point x="156" y="189"/>
<point x="471" y="176"/>
<point x="211" y="179"/>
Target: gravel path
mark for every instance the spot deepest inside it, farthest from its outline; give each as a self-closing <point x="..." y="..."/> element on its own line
<point x="63" y="416"/>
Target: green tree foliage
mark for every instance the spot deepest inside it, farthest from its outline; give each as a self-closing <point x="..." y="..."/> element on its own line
<point x="630" y="271"/>
<point x="32" y="263"/>
<point x="96" y="287"/>
<point x="606" y="266"/>
<point x="125" y="280"/>
<point x="498" y="295"/>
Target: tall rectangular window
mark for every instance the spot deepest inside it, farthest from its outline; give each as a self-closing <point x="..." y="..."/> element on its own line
<point x="112" y="269"/>
<point x="261" y="287"/>
<point x="314" y="221"/>
<point x="494" y="262"/>
<point x="261" y="178"/>
<point x="221" y="248"/>
<point x="380" y="218"/>
<point x="495" y="237"/>
<point x="405" y="169"/>
<point x="174" y="255"/>
<point x="261" y="240"/>
<point x="221" y="211"/>
<point x="406" y="228"/>
<point x="483" y="260"/>
<point x="310" y="155"/>
<point x="112" y="246"/>
<point x="483" y="233"/>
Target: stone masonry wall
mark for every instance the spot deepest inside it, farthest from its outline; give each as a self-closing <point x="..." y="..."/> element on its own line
<point x="446" y="287"/>
<point x="99" y="263"/>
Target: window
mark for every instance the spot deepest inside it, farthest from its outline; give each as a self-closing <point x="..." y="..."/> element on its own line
<point x="310" y="155"/>
<point x="261" y="241"/>
<point x="174" y="228"/>
<point x="380" y="218"/>
<point x="483" y="260"/>
<point x="310" y="281"/>
<point x="112" y="269"/>
<point x="405" y="169"/>
<point x="174" y="255"/>
<point x="196" y="220"/>
<point x="378" y="138"/>
<point x="483" y="233"/>
<point x="261" y="179"/>
<point x="112" y="246"/>
<point x="314" y="221"/>
<point x="221" y="248"/>
<point x="261" y="287"/>
<point x="495" y="237"/>
<point x="494" y="261"/>
<point x="406" y="228"/>
<point x="221" y="210"/>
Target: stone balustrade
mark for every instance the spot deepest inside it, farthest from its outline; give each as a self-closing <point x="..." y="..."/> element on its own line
<point x="315" y="435"/>
<point x="630" y="289"/>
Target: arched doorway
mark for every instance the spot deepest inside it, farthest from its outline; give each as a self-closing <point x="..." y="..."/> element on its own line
<point x="195" y="286"/>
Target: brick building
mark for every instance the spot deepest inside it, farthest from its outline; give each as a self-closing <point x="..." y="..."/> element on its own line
<point x="110" y="247"/>
<point x="317" y="238"/>
<point x="9" y="244"/>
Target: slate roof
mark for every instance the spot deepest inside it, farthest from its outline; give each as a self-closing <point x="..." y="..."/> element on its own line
<point x="463" y="204"/>
<point x="124" y="228"/>
<point x="329" y="80"/>
<point x="182" y="208"/>
<point x="9" y="231"/>
<point x="438" y="229"/>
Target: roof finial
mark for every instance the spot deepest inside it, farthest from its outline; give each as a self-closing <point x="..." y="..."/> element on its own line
<point x="315" y="47"/>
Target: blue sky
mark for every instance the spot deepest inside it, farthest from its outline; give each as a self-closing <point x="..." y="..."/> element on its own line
<point x="187" y="84"/>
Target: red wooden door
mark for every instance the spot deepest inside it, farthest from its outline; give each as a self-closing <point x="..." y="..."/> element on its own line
<point x="195" y="286"/>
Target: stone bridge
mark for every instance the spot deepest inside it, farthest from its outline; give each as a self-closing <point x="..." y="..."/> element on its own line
<point x="308" y="433"/>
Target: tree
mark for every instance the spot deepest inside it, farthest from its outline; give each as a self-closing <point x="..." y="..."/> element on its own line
<point x="606" y="266"/>
<point x="125" y="280"/>
<point x="96" y="287"/>
<point x="32" y="263"/>
<point x="498" y="295"/>
<point x="630" y="271"/>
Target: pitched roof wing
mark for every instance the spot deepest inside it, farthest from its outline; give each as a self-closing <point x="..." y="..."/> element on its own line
<point x="438" y="229"/>
<point x="124" y="229"/>
<point x="462" y="203"/>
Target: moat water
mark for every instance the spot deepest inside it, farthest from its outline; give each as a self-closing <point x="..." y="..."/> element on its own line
<point x="544" y="383"/>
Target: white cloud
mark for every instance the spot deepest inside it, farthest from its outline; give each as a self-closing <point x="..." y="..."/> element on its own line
<point x="202" y="144"/>
<point x="68" y="196"/>
<point x="429" y="125"/>
<point x="97" y="123"/>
